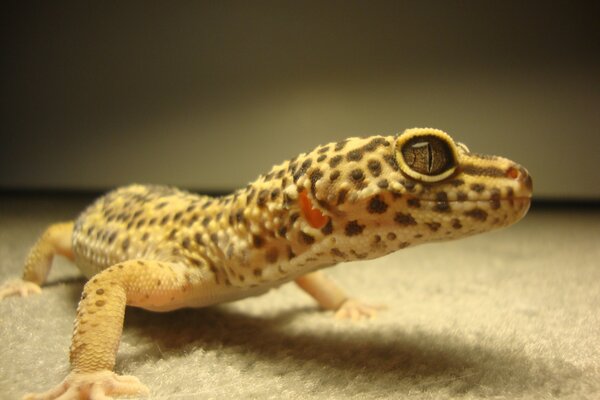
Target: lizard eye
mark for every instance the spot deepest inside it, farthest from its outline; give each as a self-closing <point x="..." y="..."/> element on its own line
<point x="426" y="155"/>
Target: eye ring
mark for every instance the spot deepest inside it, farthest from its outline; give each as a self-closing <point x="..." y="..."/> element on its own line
<point x="427" y="155"/>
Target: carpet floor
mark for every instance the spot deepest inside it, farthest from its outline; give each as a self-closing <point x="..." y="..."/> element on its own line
<point x="512" y="314"/>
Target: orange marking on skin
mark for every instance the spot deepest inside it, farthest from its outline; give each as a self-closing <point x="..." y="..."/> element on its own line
<point x="314" y="216"/>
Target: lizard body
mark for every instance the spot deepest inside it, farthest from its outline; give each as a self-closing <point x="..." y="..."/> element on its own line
<point x="161" y="248"/>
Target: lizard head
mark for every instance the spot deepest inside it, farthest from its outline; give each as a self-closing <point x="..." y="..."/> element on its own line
<point x="377" y="194"/>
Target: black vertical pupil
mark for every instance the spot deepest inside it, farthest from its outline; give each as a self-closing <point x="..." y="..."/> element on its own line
<point x="428" y="155"/>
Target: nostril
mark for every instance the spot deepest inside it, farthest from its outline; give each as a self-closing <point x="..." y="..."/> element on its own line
<point x="513" y="173"/>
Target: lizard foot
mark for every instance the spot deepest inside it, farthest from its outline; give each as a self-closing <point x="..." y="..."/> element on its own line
<point x="355" y="310"/>
<point x="92" y="386"/>
<point x="18" y="287"/>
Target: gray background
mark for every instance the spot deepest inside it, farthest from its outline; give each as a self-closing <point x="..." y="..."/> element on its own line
<point x="207" y="95"/>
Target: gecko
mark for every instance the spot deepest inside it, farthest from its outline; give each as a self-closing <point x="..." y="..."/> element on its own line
<point x="161" y="248"/>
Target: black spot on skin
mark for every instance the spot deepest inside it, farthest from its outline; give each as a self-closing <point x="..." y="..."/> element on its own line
<point x="478" y="187"/>
<point x="408" y="185"/>
<point x="456" y="223"/>
<point x="280" y="174"/>
<point x="303" y="168"/>
<point x="340" y="145"/>
<point x="383" y="184"/>
<point x="185" y="243"/>
<point x="314" y="177"/>
<point x="261" y="200"/>
<point x="161" y="205"/>
<point x="354" y="155"/>
<point x="442" y="205"/>
<point x="272" y="255"/>
<point x="257" y="272"/>
<point x="357" y="175"/>
<point x="125" y="244"/>
<point x="376" y="239"/>
<point x="323" y="149"/>
<point x="377" y="206"/>
<point x="250" y="196"/>
<point x="477" y="214"/>
<point x="342" y="196"/>
<point x="100" y="292"/>
<point x="374" y="167"/>
<point x="239" y="216"/>
<point x="413" y="202"/>
<point x="391" y="160"/>
<point x="172" y="234"/>
<point x="456" y="182"/>
<point x="191" y="221"/>
<point x="291" y="253"/>
<point x="353" y="228"/>
<point x="360" y="256"/>
<point x="334" y="175"/>
<point x="306" y="238"/>
<point x="194" y="262"/>
<point x="495" y="199"/>
<point x="268" y="176"/>
<point x="177" y="216"/>
<point x="404" y="219"/>
<point x="145" y="236"/>
<point x="282" y="231"/>
<point x="337" y="252"/>
<point x="164" y="220"/>
<point x="152" y="221"/>
<point x="374" y="143"/>
<point x="140" y="223"/>
<point x="112" y="237"/>
<point x="214" y="238"/>
<point x="391" y="236"/>
<point x="396" y="195"/>
<point x="294" y="217"/>
<point x="275" y="193"/>
<point x="321" y="158"/>
<point x="335" y="161"/>
<point x="258" y="241"/>
<point x="198" y="239"/>
<point x="328" y="228"/>
<point x="434" y="226"/>
<point x="461" y="196"/>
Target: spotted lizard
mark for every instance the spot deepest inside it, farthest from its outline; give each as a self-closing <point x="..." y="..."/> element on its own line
<point x="161" y="248"/>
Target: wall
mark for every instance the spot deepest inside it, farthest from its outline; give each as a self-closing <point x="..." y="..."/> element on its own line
<point x="207" y="95"/>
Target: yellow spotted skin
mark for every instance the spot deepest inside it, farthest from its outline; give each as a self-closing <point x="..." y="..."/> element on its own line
<point x="161" y="248"/>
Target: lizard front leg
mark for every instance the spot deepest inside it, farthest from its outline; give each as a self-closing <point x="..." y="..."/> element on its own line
<point x="99" y="323"/>
<point x="56" y="239"/>
<point x="331" y="297"/>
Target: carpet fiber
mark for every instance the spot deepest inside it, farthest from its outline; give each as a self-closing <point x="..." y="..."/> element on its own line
<point x="512" y="314"/>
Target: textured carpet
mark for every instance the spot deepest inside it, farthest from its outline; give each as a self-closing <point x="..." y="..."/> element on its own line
<point x="511" y="314"/>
